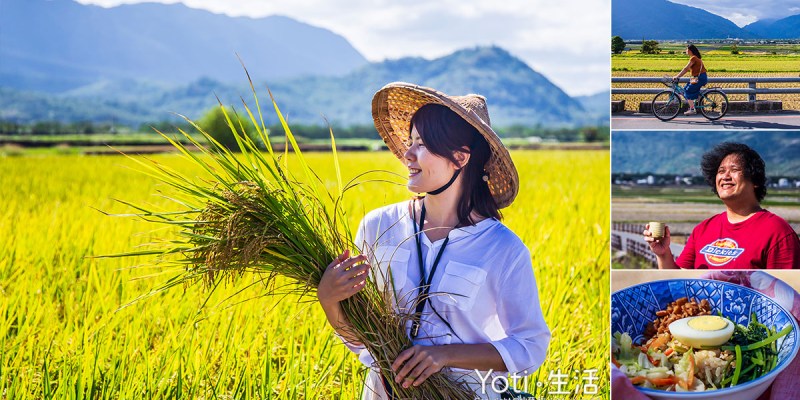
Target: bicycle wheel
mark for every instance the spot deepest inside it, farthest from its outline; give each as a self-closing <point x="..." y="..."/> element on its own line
<point x="713" y="104"/>
<point x="666" y="105"/>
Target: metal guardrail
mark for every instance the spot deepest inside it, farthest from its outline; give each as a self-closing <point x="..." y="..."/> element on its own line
<point x="751" y="91"/>
<point x="628" y="227"/>
<point x="628" y="238"/>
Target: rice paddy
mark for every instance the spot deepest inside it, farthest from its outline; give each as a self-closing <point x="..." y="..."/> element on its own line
<point x="66" y="334"/>
<point x="718" y="63"/>
<point x="632" y="64"/>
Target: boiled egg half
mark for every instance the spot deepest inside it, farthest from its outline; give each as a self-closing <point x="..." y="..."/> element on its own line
<point x="703" y="330"/>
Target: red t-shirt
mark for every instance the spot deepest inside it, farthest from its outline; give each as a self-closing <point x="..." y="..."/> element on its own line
<point x="764" y="240"/>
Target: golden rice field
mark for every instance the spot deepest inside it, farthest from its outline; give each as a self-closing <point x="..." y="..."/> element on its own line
<point x="718" y="66"/>
<point x="66" y="335"/>
<point x="714" y="62"/>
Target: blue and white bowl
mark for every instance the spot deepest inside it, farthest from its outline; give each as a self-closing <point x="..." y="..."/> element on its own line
<point x="634" y="307"/>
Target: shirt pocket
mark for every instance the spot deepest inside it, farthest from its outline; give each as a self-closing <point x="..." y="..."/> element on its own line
<point x="433" y="334"/>
<point x="459" y="285"/>
<point x="393" y="261"/>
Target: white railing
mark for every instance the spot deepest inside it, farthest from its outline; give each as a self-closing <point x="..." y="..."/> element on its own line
<point x="751" y="90"/>
<point x="627" y="237"/>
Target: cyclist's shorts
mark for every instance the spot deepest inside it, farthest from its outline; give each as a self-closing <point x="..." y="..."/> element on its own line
<point x="693" y="89"/>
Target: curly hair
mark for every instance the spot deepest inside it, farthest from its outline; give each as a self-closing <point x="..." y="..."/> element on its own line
<point x="752" y="165"/>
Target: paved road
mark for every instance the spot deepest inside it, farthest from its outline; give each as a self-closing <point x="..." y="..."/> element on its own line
<point x="637" y="121"/>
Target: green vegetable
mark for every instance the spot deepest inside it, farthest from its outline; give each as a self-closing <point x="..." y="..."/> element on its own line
<point x="764" y="342"/>
<point x="738" y="369"/>
<point x="725" y="371"/>
<point x="743" y="373"/>
<point x="757" y="359"/>
<point x="756" y="351"/>
<point x="739" y="335"/>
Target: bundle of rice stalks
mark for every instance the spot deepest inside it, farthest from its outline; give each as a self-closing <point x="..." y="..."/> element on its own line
<point x="254" y="216"/>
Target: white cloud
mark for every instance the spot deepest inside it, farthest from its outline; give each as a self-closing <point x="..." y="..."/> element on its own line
<point x="567" y="41"/>
<point x="741" y="19"/>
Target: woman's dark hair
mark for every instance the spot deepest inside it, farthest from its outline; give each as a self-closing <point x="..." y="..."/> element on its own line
<point x="443" y="132"/>
<point x="694" y="50"/>
<point x="752" y="164"/>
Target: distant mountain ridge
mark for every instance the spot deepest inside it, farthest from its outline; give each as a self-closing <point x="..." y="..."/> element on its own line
<point x="516" y="94"/>
<point x="134" y="64"/>
<point x="637" y="152"/>
<point x="597" y="104"/>
<point x="664" y="20"/>
<point x="784" y="28"/>
<point x="59" y="45"/>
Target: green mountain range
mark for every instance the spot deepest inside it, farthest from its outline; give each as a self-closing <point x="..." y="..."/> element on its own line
<point x="665" y="20"/>
<point x="516" y="94"/>
<point x="57" y="45"/>
<point x="679" y="152"/>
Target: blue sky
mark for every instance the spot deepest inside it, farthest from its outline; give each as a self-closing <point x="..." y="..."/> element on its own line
<point x="567" y="41"/>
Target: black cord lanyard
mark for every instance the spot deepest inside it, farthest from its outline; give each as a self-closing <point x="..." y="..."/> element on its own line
<point x="424" y="285"/>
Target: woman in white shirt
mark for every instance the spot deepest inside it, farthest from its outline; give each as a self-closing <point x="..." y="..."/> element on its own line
<point x="478" y="315"/>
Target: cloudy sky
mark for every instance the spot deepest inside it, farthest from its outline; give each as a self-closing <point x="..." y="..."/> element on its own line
<point x="566" y="40"/>
<point x="743" y="12"/>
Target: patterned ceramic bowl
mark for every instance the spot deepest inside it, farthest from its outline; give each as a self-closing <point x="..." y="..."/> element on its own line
<point x="634" y="307"/>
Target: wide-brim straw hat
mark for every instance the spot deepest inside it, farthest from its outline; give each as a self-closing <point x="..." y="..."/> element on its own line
<point x="395" y="104"/>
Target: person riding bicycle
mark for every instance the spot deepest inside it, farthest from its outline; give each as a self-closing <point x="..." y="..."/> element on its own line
<point x="699" y="77"/>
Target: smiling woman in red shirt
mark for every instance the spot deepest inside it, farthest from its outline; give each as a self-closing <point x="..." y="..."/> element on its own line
<point x="744" y="236"/>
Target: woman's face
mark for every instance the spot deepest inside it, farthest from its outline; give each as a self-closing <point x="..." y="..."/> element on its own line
<point x="688" y="52"/>
<point x="426" y="171"/>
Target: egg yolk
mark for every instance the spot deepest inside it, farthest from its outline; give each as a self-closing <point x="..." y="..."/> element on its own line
<point x="708" y="323"/>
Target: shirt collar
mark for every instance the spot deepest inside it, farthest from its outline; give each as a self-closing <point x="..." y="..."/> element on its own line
<point x="457" y="233"/>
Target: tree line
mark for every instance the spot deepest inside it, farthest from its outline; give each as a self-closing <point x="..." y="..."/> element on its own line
<point x="648" y="46"/>
<point x="215" y="123"/>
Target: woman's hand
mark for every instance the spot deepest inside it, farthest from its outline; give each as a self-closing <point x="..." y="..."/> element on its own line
<point x="660" y="247"/>
<point x="416" y="364"/>
<point x="342" y="278"/>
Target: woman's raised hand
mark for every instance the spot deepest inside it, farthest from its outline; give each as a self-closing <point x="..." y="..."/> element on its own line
<point x="343" y="278"/>
<point x="660" y="247"/>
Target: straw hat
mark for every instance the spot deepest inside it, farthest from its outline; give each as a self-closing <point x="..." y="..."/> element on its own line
<point x="395" y="104"/>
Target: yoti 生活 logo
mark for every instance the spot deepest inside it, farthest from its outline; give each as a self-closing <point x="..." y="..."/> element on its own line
<point x="721" y="251"/>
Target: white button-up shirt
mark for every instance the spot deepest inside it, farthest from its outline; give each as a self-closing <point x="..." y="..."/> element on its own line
<point x="484" y="287"/>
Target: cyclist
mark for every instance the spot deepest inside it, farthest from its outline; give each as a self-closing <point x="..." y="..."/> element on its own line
<point x="699" y="77"/>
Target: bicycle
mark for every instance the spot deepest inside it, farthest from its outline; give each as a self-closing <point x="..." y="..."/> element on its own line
<point x="712" y="102"/>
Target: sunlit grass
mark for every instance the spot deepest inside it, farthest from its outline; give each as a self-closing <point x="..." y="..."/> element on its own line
<point x="64" y="336"/>
<point x="713" y="62"/>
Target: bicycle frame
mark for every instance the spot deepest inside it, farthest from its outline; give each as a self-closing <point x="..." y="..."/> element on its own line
<point x="664" y="103"/>
<point x="681" y="91"/>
